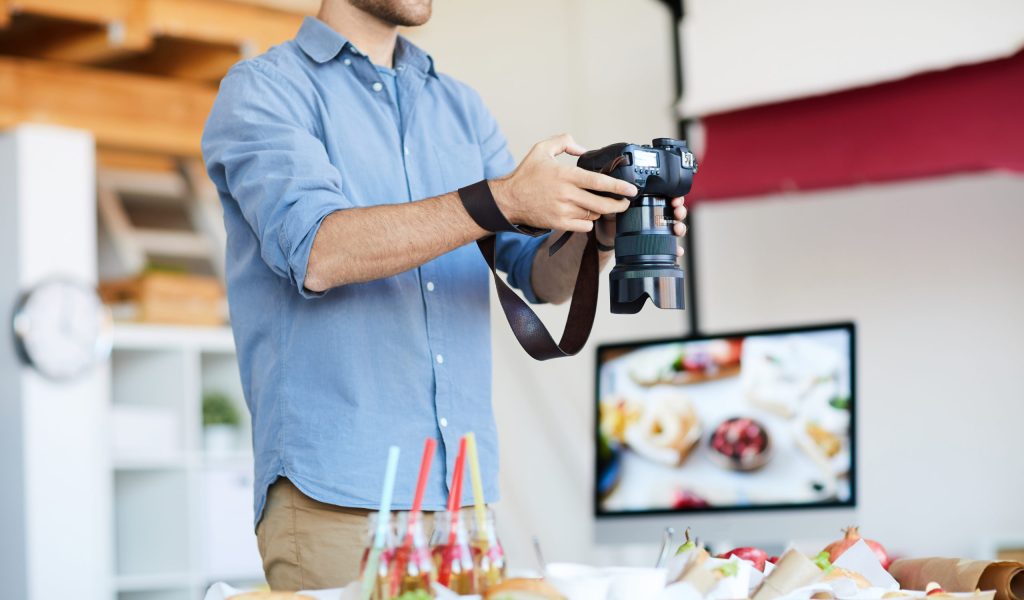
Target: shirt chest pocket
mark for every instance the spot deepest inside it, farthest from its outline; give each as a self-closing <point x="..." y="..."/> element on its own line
<point x="459" y="164"/>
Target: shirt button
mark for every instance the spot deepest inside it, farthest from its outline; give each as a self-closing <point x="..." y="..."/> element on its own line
<point x="406" y="149"/>
<point x="348" y="62"/>
<point x="430" y="286"/>
<point x="377" y="86"/>
<point x="440" y="359"/>
<point x="443" y="422"/>
<point x="353" y="50"/>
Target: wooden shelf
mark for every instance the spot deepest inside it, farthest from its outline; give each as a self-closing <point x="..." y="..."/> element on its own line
<point x="188" y="39"/>
<point x="135" y="112"/>
<point x="142" y="336"/>
<point x="182" y="515"/>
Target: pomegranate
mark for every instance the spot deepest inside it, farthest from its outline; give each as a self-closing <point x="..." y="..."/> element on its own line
<point x="852" y="535"/>
<point x="684" y="499"/>
<point x="754" y="555"/>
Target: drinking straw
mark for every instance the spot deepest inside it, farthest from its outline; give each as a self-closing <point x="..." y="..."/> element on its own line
<point x="421" y="486"/>
<point x="478" y="486"/>
<point x="383" y="517"/>
<point x="455" y="495"/>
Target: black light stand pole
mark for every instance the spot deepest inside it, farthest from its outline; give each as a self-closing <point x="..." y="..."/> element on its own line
<point x="689" y="263"/>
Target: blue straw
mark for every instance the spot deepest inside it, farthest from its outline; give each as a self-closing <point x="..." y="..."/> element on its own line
<point x="379" y="538"/>
<point x="385" y="497"/>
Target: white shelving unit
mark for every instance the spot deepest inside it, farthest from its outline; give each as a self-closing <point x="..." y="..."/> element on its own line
<point x="182" y="519"/>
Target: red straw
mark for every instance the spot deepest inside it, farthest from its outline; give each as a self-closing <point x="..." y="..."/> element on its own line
<point x="455" y="494"/>
<point x="421" y="485"/>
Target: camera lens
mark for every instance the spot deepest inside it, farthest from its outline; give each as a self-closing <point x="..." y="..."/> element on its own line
<point x="645" y="258"/>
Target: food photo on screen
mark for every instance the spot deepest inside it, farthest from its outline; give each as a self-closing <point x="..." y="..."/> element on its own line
<point x="762" y="419"/>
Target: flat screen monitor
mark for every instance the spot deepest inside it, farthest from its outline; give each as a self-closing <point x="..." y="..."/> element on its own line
<point x="739" y="422"/>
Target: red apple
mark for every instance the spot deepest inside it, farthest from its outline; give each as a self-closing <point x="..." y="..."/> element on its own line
<point x="755" y="555"/>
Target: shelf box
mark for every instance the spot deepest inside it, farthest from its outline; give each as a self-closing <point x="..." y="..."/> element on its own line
<point x="145" y="433"/>
<point x="151" y="523"/>
<point x="148" y="377"/>
<point x="228" y="540"/>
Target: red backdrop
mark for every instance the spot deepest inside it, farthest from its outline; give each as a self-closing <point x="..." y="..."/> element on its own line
<point x="968" y="118"/>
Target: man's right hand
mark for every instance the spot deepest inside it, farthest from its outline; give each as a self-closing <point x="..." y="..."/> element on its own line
<point x="544" y="193"/>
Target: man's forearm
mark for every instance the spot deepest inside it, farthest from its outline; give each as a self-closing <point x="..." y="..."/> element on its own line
<point x="363" y="244"/>
<point x="554" y="277"/>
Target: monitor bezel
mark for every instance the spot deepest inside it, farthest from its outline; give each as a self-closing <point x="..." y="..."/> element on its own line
<point x="849" y="326"/>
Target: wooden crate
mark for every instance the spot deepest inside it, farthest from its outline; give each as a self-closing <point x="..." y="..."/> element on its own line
<point x="171" y="298"/>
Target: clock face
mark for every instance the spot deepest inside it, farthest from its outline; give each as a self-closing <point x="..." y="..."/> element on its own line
<point x="62" y="329"/>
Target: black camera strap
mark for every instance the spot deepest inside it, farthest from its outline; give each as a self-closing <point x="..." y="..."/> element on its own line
<point x="533" y="336"/>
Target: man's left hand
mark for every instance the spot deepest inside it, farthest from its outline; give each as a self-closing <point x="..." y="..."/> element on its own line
<point x="606" y="226"/>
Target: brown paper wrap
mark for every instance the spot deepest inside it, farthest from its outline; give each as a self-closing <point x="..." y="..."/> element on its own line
<point x="794" y="570"/>
<point x="954" y="575"/>
<point x="696" y="575"/>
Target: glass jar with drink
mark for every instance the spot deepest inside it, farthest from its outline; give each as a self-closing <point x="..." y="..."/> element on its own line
<point x="453" y="557"/>
<point x="381" y="579"/>
<point x="488" y="554"/>
<point x="412" y="568"/>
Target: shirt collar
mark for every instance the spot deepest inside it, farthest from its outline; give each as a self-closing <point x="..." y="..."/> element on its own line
<point x="322" y="43"/>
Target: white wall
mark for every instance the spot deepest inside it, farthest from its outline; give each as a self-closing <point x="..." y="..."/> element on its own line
<point x="933" y="274"/>
<point x="54" y="517"/>
<point x="741" y="53"/>
<point x="544" y="67"/>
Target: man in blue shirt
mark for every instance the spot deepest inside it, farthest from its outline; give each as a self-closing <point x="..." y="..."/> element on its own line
<point x="359" y="305"/>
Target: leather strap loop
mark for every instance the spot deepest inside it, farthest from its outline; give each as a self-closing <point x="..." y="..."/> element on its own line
<point x="527" y="326"/>
<point x="479" y="202"/>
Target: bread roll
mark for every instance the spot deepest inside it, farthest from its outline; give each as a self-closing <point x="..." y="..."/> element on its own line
<point x="270" y="596"/>
<point x="523" y="589"/>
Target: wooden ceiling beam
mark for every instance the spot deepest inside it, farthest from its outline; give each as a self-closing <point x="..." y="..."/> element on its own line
<point x="184" y="59"/>
<point x="89" y="11"/>
<point x="213" y="21"/>
<point x="129" y="112"/>
<point x="300" y="7"/>
<point x="95" y="46"/>
<point x="223" y="22"/>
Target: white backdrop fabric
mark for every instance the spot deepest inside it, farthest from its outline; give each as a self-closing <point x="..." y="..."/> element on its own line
<point x="740" y="53"/>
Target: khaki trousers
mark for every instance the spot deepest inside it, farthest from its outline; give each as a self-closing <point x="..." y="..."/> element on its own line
<point x="310" y="545"/>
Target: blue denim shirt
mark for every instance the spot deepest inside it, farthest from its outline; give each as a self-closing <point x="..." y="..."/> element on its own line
<point x="333" y="379"/>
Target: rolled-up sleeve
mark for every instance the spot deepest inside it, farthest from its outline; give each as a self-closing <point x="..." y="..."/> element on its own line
<point x="514" y="252"/>
<point x="261" y="151"/>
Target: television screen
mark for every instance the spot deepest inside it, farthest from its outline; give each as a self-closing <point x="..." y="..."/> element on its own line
<point x="748" y="420"/>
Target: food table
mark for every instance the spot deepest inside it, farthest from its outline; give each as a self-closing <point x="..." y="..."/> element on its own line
<point x="856" y="574"/>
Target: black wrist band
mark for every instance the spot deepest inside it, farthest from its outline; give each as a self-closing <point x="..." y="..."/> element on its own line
<point x="479" y="202"/>
<point x="603" y="247"/>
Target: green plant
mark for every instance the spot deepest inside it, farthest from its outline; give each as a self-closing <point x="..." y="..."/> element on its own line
<point x="218" y="409"/>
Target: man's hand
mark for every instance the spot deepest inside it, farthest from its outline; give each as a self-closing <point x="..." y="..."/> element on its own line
<point x="606" y="227"/>
<point x="543" y="193"/>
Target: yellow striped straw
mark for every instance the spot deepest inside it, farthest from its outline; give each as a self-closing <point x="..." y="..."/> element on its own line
<point x="478" y="486"/>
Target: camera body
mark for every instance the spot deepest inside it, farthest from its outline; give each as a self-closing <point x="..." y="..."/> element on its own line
<point x="664" y="169"/>
<point x="646" y="263"/>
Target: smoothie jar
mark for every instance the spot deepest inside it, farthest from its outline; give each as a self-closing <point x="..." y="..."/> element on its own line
<point x="411" y="568"/>
<point x="453" y="557"/>
<point x="381" y="581"/>
<point x="488" y="555"/>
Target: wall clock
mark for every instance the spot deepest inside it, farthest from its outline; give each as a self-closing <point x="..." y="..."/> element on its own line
<point x="62" y="329"/>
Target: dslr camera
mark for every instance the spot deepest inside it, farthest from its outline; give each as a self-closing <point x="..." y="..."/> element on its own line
<point x="646" y="264"/>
